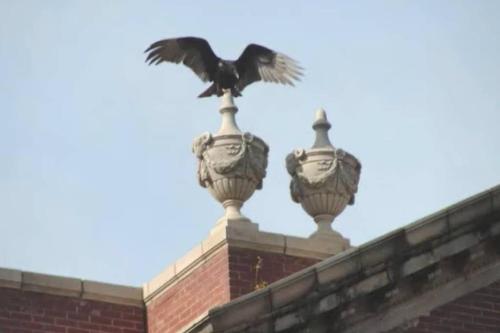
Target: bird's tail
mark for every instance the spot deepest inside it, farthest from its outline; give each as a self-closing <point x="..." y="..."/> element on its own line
<point x="212" y="90"/>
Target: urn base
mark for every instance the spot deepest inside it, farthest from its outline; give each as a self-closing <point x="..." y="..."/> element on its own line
<point x="326" y="234"/>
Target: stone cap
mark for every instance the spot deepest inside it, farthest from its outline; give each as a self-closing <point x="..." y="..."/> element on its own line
<point x="245" y="236"/>
<point x="468" y="229"/>
<point x="72" y="287"/>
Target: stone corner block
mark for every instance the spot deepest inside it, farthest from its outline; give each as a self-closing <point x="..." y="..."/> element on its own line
<point x="271" y="241"/>
<point x="10" y="278"/>
<point x="307" y="248"/>
<point x="159" y="281"/>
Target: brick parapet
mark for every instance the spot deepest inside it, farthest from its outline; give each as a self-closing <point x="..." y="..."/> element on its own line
<point x="24" y="311"/>
<point x="250" y="239"/>
<point x="228" y="273"/>
<point x="191" y="296"/>
<point x="222" y="268"/>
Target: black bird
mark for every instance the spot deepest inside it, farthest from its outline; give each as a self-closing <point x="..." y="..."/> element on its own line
<point x="254" y="64"/>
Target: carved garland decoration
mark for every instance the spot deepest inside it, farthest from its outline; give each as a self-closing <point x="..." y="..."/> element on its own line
<point x="240" y="159"/>
<point x="335" y="171"/>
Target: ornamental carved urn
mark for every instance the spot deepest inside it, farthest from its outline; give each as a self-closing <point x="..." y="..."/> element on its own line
<point x="324" y="181"/>
<point x="231" y="165"/>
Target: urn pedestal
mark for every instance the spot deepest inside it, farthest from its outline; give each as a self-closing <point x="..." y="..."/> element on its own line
<point x="231" y="165"/>
<point x="324" y="181"/>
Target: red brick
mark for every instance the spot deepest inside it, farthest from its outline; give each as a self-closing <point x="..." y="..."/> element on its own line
<point x="54" y="329"/>
<point x="20" y="316"/>
<point x="473" y="313"/>
<point x="77" y="330"/>
<point x="228" y="274"/>
<point x="32" y="312"/>
<point x="110" y="329"/>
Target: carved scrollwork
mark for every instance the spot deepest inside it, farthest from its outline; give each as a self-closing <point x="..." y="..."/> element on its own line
<point x="201" y="143"/>
<point x="293" y="160"/>
<point x="257" y="162"/>
<point x="295" y="190"/>
<point x="335" y="174"/>
<point x="347" y="176"/>
<point x="241" y="158"/>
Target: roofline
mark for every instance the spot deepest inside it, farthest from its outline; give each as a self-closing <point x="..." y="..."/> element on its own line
<point x="440" y="228"/>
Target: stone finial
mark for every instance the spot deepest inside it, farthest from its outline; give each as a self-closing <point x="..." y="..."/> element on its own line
<point x="231" y="165"/>
<point x="321" y="125"/>
<point x="228" y="111"/>
<point x="324" y="181"/>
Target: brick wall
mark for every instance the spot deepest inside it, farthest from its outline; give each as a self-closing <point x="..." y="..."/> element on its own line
<point x="24" y="311"/>
<point x="243" y="264"/>
<point x="226" y="275"/>
<point x="478" y="312"/>
<point x="204" y="287"/>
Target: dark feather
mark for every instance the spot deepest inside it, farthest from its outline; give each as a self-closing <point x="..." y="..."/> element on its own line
<point x="255" y="63"/>
<point x="193" y="52"/>
<point x="260" y="63"/>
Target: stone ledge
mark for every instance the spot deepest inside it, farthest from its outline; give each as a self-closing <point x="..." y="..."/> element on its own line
<point x="51" y="284"/>
<point x="238" y="237"/>
<point x="71" y="287"/>
<point x="10" y="278"/>
<point x="113" y="293"/>
<point x="179" y="269"/>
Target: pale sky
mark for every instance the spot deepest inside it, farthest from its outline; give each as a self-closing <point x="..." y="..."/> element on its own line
<point x="97" y="178"/>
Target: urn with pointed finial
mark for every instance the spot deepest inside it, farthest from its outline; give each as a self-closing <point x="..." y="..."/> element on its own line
<point x="231" y="165"/>
<point x="324" y="180"/>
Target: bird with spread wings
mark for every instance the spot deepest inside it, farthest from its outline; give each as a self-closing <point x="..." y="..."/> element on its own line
<point x="256" y="63"/>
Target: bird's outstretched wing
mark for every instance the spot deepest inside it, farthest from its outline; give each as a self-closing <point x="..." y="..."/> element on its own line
<point x="193" y="52"/>
<point x="260" y="63"/>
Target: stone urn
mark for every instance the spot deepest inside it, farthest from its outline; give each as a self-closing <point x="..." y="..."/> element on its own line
<point x="231" y="165"/>
<point x="324" y="180"/>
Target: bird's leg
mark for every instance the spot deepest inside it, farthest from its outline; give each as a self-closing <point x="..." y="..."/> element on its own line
<point x="235" y="92"/>
<point x="220" y="91"/>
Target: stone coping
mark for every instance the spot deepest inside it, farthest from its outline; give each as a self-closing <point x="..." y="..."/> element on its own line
<point x="72" y="287"/>
<point x="244" y="235"/>
<point x="470" y="225"/>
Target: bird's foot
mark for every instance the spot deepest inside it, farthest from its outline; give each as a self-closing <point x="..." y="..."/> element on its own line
<point x="223" y="91"/>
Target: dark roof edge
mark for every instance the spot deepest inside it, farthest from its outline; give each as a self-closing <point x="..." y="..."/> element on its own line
<point x="409" y="246"/>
